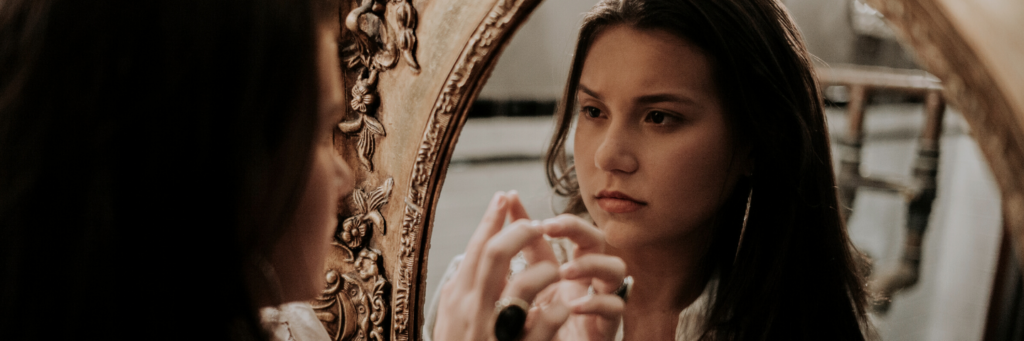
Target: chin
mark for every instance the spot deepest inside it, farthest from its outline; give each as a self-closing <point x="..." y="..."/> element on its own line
<point x="623" y="236"/>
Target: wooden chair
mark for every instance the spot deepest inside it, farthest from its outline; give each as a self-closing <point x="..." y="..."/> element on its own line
<point x="974" y="48"/>
<point x="920" y="191"/>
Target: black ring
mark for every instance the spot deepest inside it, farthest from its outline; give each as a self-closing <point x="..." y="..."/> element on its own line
<point x="511" y="317"/>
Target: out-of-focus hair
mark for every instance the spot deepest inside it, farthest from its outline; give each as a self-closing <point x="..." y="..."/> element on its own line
<point x="151" y="152"/>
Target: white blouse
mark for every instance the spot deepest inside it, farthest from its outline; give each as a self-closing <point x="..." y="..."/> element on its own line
<point x="294" y="321"/>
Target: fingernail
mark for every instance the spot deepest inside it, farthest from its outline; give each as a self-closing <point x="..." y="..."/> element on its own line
<point x="513" y="192"/>
<point x="498" y="200"/>
<point x="548" y="221"/>
<point x="567" y="270"/>
<point x="535" y="223"/>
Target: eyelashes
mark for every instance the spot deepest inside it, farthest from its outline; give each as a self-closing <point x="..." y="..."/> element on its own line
<point x="657" y="117"/>
<point x="664" y="118"/>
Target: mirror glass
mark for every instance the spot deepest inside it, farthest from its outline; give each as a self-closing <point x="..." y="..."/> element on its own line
<point x="503" y="142"/>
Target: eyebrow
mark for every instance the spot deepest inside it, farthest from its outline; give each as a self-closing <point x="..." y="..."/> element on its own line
<point x="589" y="92"/>
<point x="648" y="99"/>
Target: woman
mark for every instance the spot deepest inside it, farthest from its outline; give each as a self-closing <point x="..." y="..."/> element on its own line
<point x="702" y="156"/>
<point x="167" y="166"/>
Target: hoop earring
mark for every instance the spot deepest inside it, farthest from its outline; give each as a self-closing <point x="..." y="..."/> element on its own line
<point x="743" y="229"/>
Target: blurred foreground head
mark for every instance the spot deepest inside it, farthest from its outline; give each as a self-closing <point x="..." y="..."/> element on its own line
<point x="151" y="152"/>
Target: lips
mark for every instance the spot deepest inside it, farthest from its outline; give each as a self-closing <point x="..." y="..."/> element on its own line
<point x="618" y="202"/>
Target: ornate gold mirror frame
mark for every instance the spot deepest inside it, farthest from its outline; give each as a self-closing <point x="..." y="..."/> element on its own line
<point x="413" y="67"/>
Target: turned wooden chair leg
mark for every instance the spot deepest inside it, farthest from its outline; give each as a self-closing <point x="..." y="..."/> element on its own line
<point x="926" y="168"/>
<point x="849" y="167"/>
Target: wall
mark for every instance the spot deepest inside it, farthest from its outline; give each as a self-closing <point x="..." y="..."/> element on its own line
<point x="535" y="64"/>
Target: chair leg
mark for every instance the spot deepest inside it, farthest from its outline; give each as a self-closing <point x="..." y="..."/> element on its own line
<point x="926" y="168"/>
<point x="849" y="168"/>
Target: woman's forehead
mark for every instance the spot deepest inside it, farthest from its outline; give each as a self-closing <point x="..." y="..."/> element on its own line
<point x="628" y="61"/>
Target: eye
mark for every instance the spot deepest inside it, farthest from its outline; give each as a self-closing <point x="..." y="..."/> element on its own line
<point x="657" y="117"/>
<point x="591" y="112"/>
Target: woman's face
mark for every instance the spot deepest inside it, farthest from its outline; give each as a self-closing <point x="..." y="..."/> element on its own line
<point x="300" y="254"/>
<point x="654" y="154"/>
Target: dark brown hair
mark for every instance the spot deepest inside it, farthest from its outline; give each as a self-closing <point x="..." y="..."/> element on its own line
<point x="796" y="276"/>
<point x="151" y="152"/>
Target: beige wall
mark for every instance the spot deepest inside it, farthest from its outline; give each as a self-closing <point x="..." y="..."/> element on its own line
<point x="535" y="64"/>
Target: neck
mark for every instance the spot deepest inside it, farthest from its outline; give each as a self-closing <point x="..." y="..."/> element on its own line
<point x="667" y="279"/>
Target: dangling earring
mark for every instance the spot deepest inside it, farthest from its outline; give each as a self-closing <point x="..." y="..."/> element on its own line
<point x="743" y="229"/>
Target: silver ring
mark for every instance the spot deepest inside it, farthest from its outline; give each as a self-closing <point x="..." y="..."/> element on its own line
<point x="625" y="289"/>
<point x="622" y="291"/>
<point x="510" y="317"/>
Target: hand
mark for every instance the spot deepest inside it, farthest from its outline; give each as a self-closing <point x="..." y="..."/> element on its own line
<point x="594" y="317"/>
<point x="466" y="309"/>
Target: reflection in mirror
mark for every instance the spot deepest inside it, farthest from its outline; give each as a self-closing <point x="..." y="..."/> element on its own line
<point x="879" y="127"/>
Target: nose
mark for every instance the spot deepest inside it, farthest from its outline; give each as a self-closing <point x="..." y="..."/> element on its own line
<point x="616" y="152"/>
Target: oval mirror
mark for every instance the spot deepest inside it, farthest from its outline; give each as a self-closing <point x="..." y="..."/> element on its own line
<point x="926" y="113"/>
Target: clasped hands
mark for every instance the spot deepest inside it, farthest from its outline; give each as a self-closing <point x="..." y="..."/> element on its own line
<point x="561" y="306"/>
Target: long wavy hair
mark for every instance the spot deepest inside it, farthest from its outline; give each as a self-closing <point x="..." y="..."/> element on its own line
<point x="151" y="153"/>
<point x="796" y="275"/>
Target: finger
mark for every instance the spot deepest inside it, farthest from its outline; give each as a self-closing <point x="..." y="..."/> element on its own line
<point x="490" y="225"/>
<point x="545" y="296"/>
<point x="587" y="237"/>
<point x="606" y="306"/>
<point x="528" y="283"/>
<point x="516" y="210"/>
<point x="538" y="251"/>
<point x="498" y="252"/>
<point x="543" y="323"/>
<point x="607" y="271"/>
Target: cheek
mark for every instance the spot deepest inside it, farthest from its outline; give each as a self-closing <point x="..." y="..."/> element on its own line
<point x="323" y="193"/>
<point x="316" y="214"/>
<point x="695" y="171"/>
<point x="299" y="255"/>
<point x="697" y="159"/>
<point x="585" y="143"/>
<point x="346" y="177"/>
